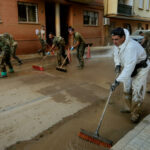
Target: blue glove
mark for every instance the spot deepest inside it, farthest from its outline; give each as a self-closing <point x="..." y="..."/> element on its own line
<point x="48" y="53"/>
<point x="72" y="48"/>
<point x="114" y="85"/>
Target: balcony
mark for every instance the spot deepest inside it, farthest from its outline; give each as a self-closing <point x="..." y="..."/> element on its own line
<point x="124" y="9"/>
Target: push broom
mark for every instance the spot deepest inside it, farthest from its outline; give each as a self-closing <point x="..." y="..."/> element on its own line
<point x="95" y="137"/>
<point x="40" y="67"/>
<point x="60" y="68"/>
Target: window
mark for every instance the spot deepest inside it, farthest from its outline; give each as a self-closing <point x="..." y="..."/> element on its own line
<point x="90" y="18"/>
<point x="146" y="26"/>
<point x="147" y="5"/>
<point x="27" y="12"/>
<point x="141" y="4"/>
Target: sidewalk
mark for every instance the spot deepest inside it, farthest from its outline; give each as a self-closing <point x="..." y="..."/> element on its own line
<point x="136" y="139"/>
<point x="34" y="56"/>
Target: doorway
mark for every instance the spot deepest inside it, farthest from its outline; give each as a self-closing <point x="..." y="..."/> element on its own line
<point x="128" y="27"/>
<point x="64" y="11"/>
<point x="50" y="20"/>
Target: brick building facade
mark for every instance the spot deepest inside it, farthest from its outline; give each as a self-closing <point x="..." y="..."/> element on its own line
<point x="21" y="19"/>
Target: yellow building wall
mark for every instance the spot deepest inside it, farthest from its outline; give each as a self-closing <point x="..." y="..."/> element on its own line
<point x="110" y="7"/>
<point x="141" y="12"/>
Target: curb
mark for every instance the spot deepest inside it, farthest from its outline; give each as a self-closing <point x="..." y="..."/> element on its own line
<point x="136" y="139"/>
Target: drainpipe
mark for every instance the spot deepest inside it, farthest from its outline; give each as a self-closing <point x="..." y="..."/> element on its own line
<point x="57" y="18"/>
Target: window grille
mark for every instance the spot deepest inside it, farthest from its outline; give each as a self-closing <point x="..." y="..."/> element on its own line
<point x="90" y="18"/>
<point x="27" y="12"/>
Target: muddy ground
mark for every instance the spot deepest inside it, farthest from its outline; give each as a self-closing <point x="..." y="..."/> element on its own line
<point x="99" y="74"/>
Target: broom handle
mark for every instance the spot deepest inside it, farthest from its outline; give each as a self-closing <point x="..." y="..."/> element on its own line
<point x="107" y="102"/>
<point x="101" y="119"/>
<point x="64" y="62"/>
<point x="43" y="58"/>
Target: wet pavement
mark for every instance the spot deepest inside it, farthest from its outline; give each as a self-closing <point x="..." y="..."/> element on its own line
<point x="34" y="101"/>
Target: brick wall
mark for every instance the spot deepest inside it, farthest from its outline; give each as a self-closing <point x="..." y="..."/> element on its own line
<point x="24" y="33"/>
<point x="91" y="34"/>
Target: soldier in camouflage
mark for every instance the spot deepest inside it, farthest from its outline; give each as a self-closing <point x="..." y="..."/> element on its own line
<point x="79" y="44"/>
<point x="59" y="42"/>
<point x="5" y="55"/>
<point x="13" y="45"/>
<point x="41" y="36"/>
<point x="146" y="43"/>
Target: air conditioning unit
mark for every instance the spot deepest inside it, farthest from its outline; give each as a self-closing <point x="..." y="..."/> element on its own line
<point x="106" y="21"/>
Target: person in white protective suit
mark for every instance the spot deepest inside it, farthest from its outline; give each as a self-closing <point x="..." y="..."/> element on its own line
<point x="132" y="64"/>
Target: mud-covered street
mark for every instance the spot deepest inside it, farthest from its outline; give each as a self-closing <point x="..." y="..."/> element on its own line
<point x="45" y="110"/>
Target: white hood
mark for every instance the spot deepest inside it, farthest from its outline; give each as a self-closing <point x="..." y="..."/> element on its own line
<point x="128" y="55"/>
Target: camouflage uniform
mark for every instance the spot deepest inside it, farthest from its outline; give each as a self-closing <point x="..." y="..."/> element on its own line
<point x="80" y="48"/>
<point x="146" y="46"/>
<point x="146" y="43"/>
<point x="5" y="55"/>
<point x="13" y="45"/>
<point x="43" y="43"/>
<point x="60" y="43"/>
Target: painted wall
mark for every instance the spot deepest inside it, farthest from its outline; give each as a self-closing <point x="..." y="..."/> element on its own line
<point x="110" y="6"/>
<point x="141" y="12"/>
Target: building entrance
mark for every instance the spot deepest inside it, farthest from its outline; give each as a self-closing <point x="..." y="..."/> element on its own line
<point x="51" y="20"/>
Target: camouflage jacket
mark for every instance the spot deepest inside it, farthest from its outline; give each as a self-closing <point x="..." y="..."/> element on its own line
<point x="146" y="43"/>
<point x="42" y="40"/>
<point x="5" y="46"/>
<point x="58" y="41"/>
<point x="78" y="38"/>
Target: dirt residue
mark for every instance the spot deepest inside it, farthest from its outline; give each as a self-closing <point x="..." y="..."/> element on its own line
<point x="64" y="135"/>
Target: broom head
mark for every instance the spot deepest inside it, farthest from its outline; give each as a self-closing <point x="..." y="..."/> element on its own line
<point x="39" y="68"/>
<point x="61" y="69"/>
<point x="96" y="139"/>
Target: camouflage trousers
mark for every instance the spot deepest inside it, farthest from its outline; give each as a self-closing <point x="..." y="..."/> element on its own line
<point x="43" y="47"/>
<point x="5" y="62"/>
<point x="80" y="54"/>
<point x="61" y="53"/>
<point x="14" y="54"/>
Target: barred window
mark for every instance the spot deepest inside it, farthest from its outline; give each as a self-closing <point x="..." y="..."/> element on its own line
<point x="90" y="18"/>
<point x="27" y="12"/>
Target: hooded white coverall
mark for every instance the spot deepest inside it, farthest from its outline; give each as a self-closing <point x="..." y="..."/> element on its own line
<point x="128" y="55"/>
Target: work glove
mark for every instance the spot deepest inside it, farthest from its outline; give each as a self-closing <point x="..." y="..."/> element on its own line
<point x="114" y="85"/>
<point x="118" y="69"/>
<point x="48" y="53"/>
<point x="72" y="48"/>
